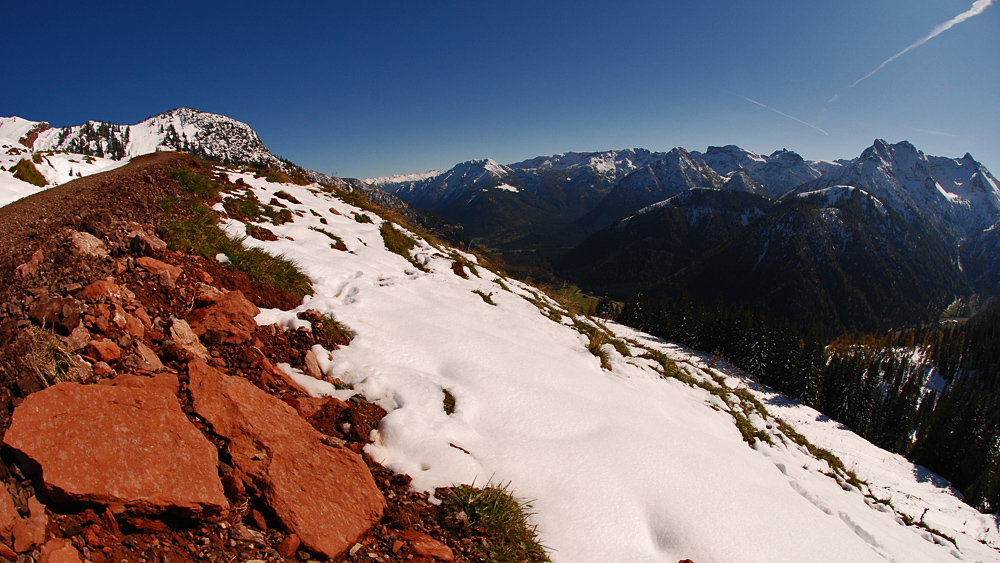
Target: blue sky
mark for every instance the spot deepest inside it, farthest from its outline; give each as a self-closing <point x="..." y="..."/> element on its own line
<point x="371" y="88"/>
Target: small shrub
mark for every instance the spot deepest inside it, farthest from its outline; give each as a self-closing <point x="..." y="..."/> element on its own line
<point x="503" y="517"/>
<point x="25" y="171"/>
<point x="487" y="297"/>
<point x="286" y="196"/>
<point x="362" y="218"/>
<point x="337" y="244"/>
<point x="449" y="402"/>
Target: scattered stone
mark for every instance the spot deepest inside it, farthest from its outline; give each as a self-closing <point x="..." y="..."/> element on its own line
<point x="8" y="515"/>
<point x="425" y="546"/>
<point x="144" y="359"/>
<point x="59" y="551"/>
<point x="230" y="320"/>
<point x="29" y="533"/>
<point x="104" y="350"/>
<point x="78" y="339"/>
<point x="312" y="366"/>
<point x="157" y="268"/>
<point x="88" y="245"/>
<point x="61" y="313"/>
<point x="103" y="290"/>
<point x="146" y="244"/>
<point x="129" y="447"/>
<point x="102" y="369"/>
<point x="242" y="533"/>
<point x="30" y="267"/>
<point x="330" y="509"/>
<point x="289" y="546"/>
<point x="182" y="335"/>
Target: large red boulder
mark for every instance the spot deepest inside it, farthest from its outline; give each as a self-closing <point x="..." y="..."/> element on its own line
<point x="325" y="495"/>
<point x="229" y="320"/>
<point x="128" y="447"/>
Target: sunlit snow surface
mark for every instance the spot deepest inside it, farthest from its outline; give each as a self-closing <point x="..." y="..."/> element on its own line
<point x="622" y="465"/>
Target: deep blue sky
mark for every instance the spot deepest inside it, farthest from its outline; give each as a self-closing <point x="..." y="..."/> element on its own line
<point x="369" y="88"/>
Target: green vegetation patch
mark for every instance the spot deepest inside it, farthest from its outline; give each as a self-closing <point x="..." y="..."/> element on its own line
<point x="25" y="171"/>
<point x="503" y="517"/>
<point x="199" y="234"/>
<point x="396" y="241"/>
<point x="195" y="184"/>
<point x="362" y="218"/>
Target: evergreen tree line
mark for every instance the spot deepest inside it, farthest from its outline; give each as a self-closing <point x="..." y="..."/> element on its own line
<point x="106" y="140"/>
<point x="931" y="395"/>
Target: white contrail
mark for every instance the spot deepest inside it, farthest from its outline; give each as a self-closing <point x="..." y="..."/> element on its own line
<point x="977" y="8"/>
<point x="785" y="114"/>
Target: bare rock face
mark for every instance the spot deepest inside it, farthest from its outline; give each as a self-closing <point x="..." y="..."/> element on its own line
<point x="229" y="320"/>
<point x="88" y="245"/>
<point x="8" y="515"/>
<point x="324" y="495"/>
<point x="119" y="446"/>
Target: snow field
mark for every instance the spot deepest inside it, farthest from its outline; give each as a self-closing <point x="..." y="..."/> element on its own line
<point x="620" y="464"/>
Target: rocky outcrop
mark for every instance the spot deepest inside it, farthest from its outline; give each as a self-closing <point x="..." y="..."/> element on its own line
<point x="126" y="447"/>
<point x="229" y="320"/>
<point x="324" y="495"/>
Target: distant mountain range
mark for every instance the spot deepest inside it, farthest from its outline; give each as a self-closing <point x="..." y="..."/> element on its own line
<point x="890" y="237"/>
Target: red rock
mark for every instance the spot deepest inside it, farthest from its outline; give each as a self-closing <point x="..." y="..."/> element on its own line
<point x="30" y="267"/>
<point x="88" y="245"/>
<point x="206" y="295"/>
<point x="685" y="561"/>
<point x="130" y="447"/>
<point x="61" y="313"/>
<point x="102" y="369"/>
<point x="103" y="290"/>
<point x="167" y="381"/>
<point x="146" y="244"/>
<point x="426" y="546"/>
<point x="7" y="553"/>
<point x="29" y="533"/>
<point x="187" y="340"/>
<point x="324" y="495"/>
<point x="312" y="366"/>
<point x="8" y="514"/>
<point x="78" y="339"/>
<point x="308" y="406"/>
<point x="145" y="359"/>
<point x="230" y="320"/>
<point x="59" y="551"/>
<point x="133" y="326"/>
<point x="104" y="350"/>
<point x="289" y="546"/>
<point x="156" y="267"/>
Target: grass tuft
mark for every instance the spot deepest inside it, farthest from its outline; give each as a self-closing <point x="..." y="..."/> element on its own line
<point x="25" y="171"/>
<point x="504" y="518"/>
<point x="337" y="244"/>
<point x="396" y="241"/>
<point x="39" y="353"/>
<point x="198" y="234"/>
<point x="195" y="184"/>
<point x="487" y="297"/>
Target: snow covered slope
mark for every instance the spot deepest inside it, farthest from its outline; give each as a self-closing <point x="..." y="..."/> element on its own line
<point x="625" y="463"/>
